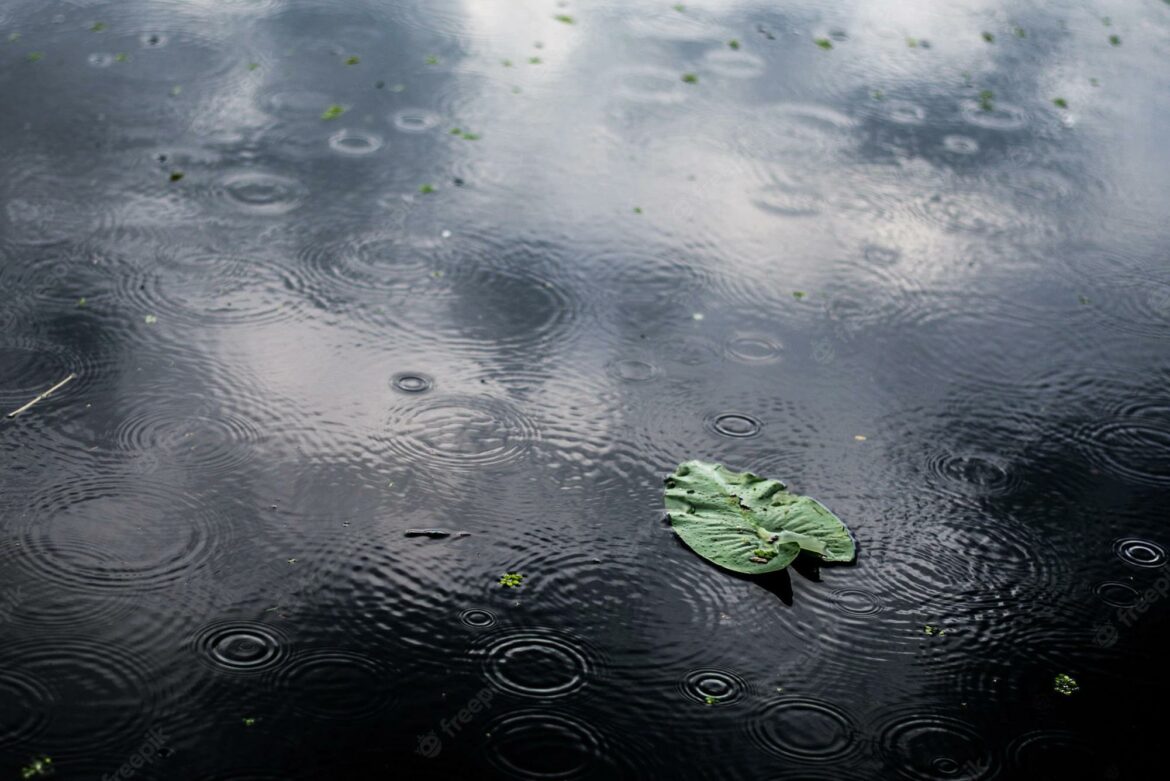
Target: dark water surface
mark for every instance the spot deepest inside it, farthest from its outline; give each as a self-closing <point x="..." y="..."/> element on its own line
<point x="522" y="270"/>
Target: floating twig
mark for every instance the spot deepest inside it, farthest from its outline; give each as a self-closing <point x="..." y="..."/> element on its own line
<point x="44" y="395"/>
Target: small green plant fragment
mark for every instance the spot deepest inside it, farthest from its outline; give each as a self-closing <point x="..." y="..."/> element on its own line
<point x="748" y="524"/>
<point x="1115" y="40"/>
<point x="1060" y="102"/>
<point x="511" y="579"/>
<point x="710" y="699"/>
<point x="426" y="189"/>
<point x="506" y="63"/>
<point x="824" y="43"/>
<point x="1064" y="684"/>
<point x="565" y="19"/>
<point x="81" y="301"/>
<point x="253" y="66"/>
<point x="176" y="176"/>
<point x="13" y="37"/>
<point x="97" y="27"/>
<point x="150" y="319"/>
<point x="682" y="9"/>
<point x="176" y="90"/>
<point x="986" y="100"/>
<point x="121" y="57"/>
<point x="1094" y="83"/>
<point x="1105" y="20"/>
<point x="989" y="37"/>
<point x="690" y="78"/>
<point x="877" y="94"/>
<point x="352" y="59"/>
<point x="466" y="135"/>
<point x="432" y="60"/>
<point x="933" y="631"/>
<point x="1020" y="32"/>
<point x="798" y="294"/>
<point x="39" y="767"/>
<point x="333" y="112"/>
<point x="534" y="61"/>
<point x="1084" y="300"/>
<point x="734" y="44"/>
<point x="912" y="43"/>
<point x="35" y="56"/>
<point x="291" y="561"/>
<point x="637" y="210"/>
<point x="249" y="721"/>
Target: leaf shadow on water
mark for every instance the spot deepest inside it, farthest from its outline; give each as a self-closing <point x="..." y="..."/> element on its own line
<point x="778" y="583"/>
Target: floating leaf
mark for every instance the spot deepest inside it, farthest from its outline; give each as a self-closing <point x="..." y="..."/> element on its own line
<point x="690" y="78"/>
<point x="989" y="37"/>
<point x="333" y="112"/>
<point x="353" y="59"/>
<point x="734" y="44"/>
<point x="564" y="18"/>
<point x="824" y="43"/>
<point x="1115" y="40"/>
<point x="748" y="524"/>
<point x="35" y="56"/>
<point x="1060" y="102"/>
<point x="426" y="189"/>
<point x="511" y="579"/>
<point x="176" y="176"/>
<point x="97" y="27"/>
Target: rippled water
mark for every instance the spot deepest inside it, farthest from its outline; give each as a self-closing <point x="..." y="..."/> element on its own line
<point x="367" y="304"/>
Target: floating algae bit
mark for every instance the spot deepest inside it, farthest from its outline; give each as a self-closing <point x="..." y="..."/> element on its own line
<point x="38" y="768"/>
<point x="511" y="579"/>
<point x="824" y="43"/>
<point x="333" y="112"/>
<point x="749" y="524"/>
<point x="1064" y="684"/>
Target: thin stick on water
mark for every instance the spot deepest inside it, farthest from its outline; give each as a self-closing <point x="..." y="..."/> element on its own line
<point x="44" y="395"/>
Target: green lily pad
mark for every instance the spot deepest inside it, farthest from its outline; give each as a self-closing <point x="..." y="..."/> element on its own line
<point x="748" y="524"/>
